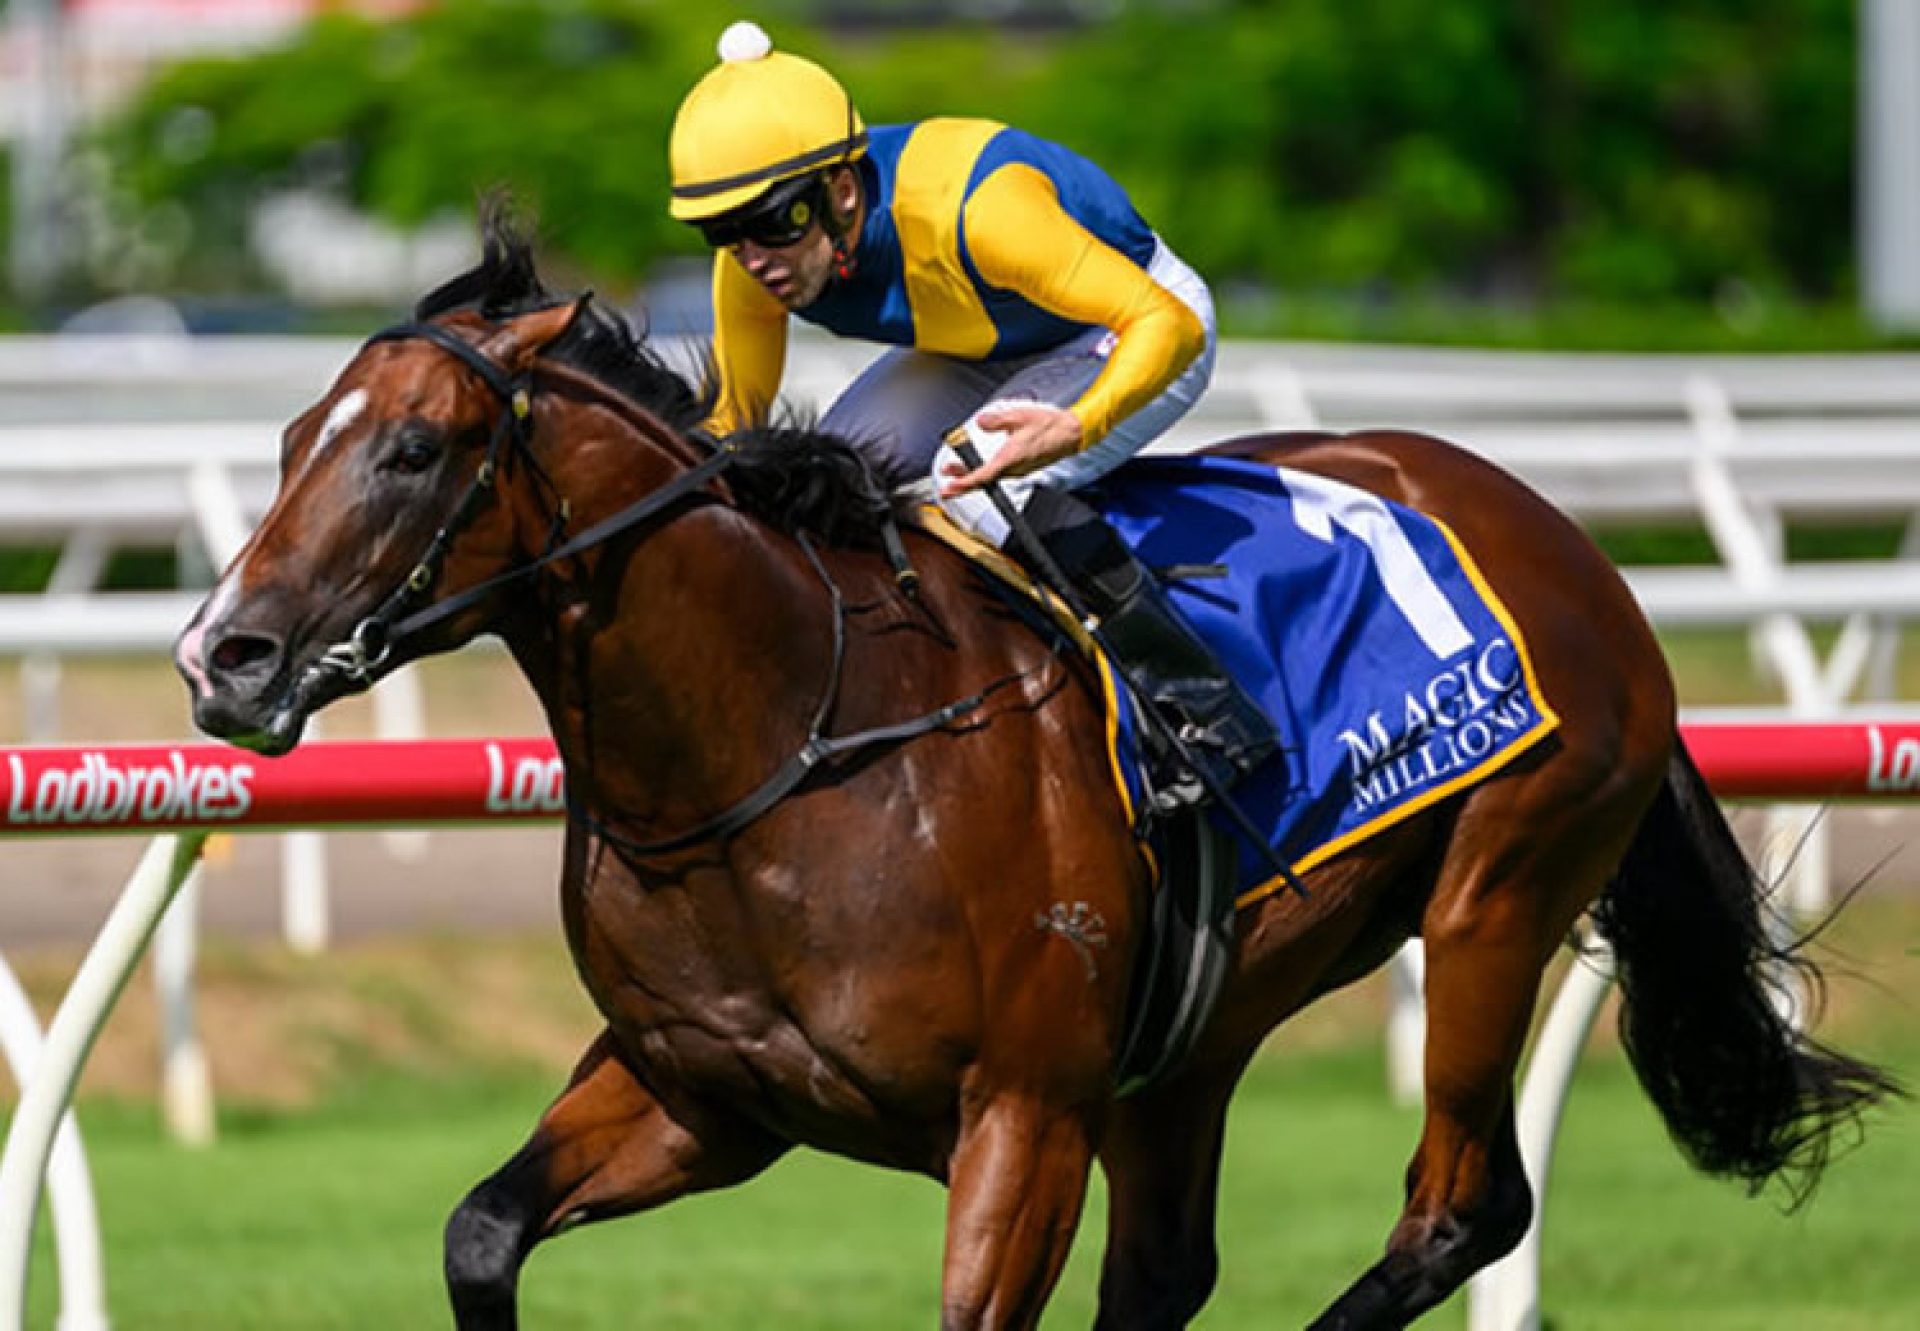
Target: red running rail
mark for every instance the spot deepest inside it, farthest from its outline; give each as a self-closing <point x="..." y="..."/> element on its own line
<point x="119" y="788"/>
<point x="146" y="788"/>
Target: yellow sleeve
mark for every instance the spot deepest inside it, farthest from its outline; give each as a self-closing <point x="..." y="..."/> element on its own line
<point x="1022" y="240"/>
<point x="749" y="347"/>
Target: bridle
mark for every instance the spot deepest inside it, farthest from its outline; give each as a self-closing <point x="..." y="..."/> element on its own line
<point x="370" y="643"/>
<point x="351" y="664"/>
<point x="402" y="615"/>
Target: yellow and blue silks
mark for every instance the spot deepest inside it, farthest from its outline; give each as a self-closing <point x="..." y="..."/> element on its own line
<point x="978" y="242"/>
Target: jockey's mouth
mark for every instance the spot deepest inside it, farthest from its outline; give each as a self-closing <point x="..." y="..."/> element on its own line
<point x="780" y="283"/>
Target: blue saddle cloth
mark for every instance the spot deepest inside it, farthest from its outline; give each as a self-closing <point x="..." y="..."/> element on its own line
<point x="1394" y="674"/>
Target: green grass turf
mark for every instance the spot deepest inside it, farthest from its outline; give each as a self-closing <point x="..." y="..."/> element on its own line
<point x="330" y="1218"/>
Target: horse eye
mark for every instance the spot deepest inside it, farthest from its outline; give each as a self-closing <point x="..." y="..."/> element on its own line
<point x="414" y="454"/>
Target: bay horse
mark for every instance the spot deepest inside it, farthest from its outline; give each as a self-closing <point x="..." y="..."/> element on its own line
<point x="915" y="950"/>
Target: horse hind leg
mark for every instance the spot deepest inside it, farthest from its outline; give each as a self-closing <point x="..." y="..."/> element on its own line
<point x="606" y="1147"/>
<point x="1523" y="862"/>
<point x="1449" y="1229"/>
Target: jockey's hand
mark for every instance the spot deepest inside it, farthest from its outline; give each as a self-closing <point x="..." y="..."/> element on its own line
<point x="1037" y="436"/>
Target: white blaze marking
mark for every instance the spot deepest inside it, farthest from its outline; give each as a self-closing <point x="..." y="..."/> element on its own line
<point x="345" y="412"/>
<point x="192" y="654"/>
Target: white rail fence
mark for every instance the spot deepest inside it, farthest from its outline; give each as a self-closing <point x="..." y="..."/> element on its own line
<point x="110" y="443"/>
<point x="107" y="443"/>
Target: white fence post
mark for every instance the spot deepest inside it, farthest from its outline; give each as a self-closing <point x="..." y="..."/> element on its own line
<point x="1407" y="1022"/>
<point x="400" y="712"/>
<point x="83" y="560"/>
<point x="1751" y="541"/>
<point x="44" y="1099"/>
<point x="76" y="1221"/>
<point x="186" y="1083"/>
<point x="303" y="890"/>
<point x="219" y="517"/>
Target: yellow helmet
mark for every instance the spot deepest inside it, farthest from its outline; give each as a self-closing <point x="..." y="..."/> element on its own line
<point x="759" y="117"/>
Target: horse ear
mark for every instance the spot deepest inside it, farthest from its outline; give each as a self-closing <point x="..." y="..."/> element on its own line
<point x="520" y="340"/>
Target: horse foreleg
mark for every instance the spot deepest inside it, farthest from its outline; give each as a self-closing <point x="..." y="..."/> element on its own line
<point x="605" y="1148"/>
<point x="1161" y="1152"/>
<point x="1016" y="1182"/>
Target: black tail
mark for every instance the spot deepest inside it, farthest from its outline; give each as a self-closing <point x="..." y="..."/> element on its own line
<point x="1743" y="1093"/>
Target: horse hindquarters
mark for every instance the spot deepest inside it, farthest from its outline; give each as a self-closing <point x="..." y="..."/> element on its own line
<point x="1742" y="1092"/>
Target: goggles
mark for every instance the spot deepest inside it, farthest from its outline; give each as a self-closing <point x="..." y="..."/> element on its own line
<point x="781" y="217"/>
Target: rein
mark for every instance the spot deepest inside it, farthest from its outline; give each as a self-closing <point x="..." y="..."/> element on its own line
<point x="817" y="748"/>
<point x="402" y="616"/>
<point x="372" y="640"/>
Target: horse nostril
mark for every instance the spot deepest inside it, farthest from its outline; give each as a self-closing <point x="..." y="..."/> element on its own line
<point x="238" y="653"/>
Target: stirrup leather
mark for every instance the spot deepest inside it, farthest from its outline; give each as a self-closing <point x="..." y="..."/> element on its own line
<point x="1219" y="724"/>
<point x="1170" y="667"/>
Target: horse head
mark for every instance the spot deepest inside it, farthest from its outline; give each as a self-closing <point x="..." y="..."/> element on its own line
<point x="414" y="477"/>
<point x="454" y="455"/>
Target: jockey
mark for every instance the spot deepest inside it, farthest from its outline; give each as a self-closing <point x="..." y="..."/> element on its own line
<point x="1024" y="300"/>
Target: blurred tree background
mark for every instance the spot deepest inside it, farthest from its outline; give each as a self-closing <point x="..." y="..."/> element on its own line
<point x="1362" y="155"/>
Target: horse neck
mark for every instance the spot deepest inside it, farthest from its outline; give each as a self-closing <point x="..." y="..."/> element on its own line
<point x="678" y="664"/>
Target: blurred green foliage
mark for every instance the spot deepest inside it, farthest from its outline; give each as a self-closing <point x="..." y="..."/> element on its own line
<point x="1585" y="148"/>
<point x="27" y="570"/>
<point x="566" y="103"/>
<point x="1503" y="151"/>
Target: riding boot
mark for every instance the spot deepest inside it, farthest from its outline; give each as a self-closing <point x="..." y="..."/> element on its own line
<point x="1219" y="724"/>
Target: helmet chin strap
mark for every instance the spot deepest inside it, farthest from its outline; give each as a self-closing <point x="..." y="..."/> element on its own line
<point x="831" y="222"/>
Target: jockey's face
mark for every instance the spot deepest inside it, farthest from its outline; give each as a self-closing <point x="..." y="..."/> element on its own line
<point x="795" y="274"/>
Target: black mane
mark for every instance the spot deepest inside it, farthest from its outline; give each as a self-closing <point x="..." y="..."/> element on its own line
<point x="791" y="475"/>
